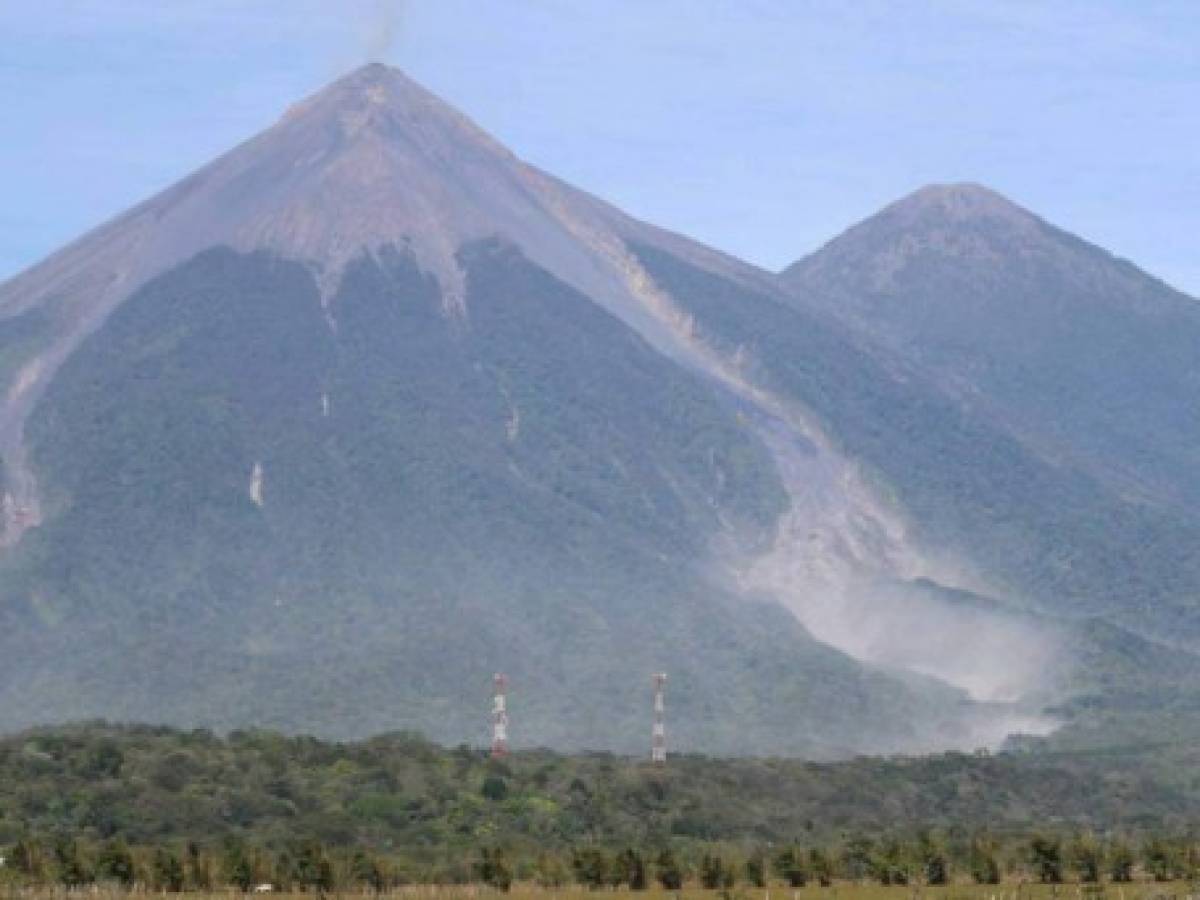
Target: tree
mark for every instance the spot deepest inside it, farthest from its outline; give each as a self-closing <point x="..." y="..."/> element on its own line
<point x="892" y="865"/>
<point x="551" y="872"/>
<point x="104" y="760"/>
<point x="789" y="865"/>
<point x="630" y="869"/>
<point x="167" y="871"/>
<point x="1160" y="859"/>
<point x="984" y="867"/>
<point x="670" y="875"/>
<point x="592" y="866"/>
<point x="284" y="871"/>
<point x="70" y="868"/>
<point x="858" y="857"/>
<point x="115" y="863"/>
<point x="1045" y="857"/>
<point x="1120" y="862"/>
<point x="365" y="870"/>
<point x="935" y="866"/>
<point x="28" y="859"/>
<point x="313" y="869"/>
<point x="494" y="869"/>
<point x="199" y="868"/>
<point x="237" y="866"/>
<point x="756" y="870"/>
<point x="821" y="867"/>
<point x="715" y="872"/>
<point x="936" y="869"/>
<point x="1086" y="858"/>
<point x="494" y="788"/>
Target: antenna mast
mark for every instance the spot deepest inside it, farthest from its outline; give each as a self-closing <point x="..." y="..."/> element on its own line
<point x="499" y="716"/>
<point x="658" y="744"/>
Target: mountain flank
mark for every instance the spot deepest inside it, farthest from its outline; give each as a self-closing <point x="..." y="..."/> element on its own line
<point x="368" y="409"/>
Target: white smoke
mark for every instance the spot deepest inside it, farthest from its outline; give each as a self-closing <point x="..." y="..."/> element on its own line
<point x="383" y="28"/>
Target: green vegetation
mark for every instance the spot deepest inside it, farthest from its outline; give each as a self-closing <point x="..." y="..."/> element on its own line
<point x="177" y="809"/>
<point x="1073" y="344"/>
<point x="1060" y="536"/>
<point x="435" y="494"/>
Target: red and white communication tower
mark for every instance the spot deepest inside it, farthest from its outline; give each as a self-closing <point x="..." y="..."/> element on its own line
<point x="658" y="743"/>
<point x="500" y="716"/>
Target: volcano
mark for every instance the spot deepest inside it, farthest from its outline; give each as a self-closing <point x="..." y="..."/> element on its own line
<point x="368" y="409"/>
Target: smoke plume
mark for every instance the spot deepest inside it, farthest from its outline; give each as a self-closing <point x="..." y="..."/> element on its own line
<point x="383" y="29"/>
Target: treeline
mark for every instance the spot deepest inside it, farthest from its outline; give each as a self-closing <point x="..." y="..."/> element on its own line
<point x="927" y="859"/>
<point x="147" y="784"/>
<point x="171" y="808"/>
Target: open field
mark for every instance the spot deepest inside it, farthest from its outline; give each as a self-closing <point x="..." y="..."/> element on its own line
<point x="1148" y="890"/>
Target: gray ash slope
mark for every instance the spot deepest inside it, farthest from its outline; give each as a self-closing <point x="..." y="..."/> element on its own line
<point x="368" y="408"/>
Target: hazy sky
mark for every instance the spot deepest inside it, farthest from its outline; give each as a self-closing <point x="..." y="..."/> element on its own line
<point x="763" y="128"/>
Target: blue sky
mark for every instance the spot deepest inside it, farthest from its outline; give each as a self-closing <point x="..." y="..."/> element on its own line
<point x="763" y="128"/>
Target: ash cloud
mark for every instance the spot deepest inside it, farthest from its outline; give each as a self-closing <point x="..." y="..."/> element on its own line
<point x="384" y="26"/>
<point x="848" y="569"/>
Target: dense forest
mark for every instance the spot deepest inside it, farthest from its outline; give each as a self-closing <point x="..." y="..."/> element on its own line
<point x="189" y="809"/>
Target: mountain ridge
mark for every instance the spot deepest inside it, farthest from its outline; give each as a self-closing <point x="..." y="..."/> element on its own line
<point x="487" y="441"/>
<point x="332" y="179"/>
<point x="367" y="409"/>
<point x="1087" y="361"/>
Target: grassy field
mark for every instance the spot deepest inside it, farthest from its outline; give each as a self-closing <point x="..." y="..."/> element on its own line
<point x="1179" y="890"/>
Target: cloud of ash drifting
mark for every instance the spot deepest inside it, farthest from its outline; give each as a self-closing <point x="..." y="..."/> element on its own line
<point x="383" y="27"/>
<point x="846" y="566"/>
